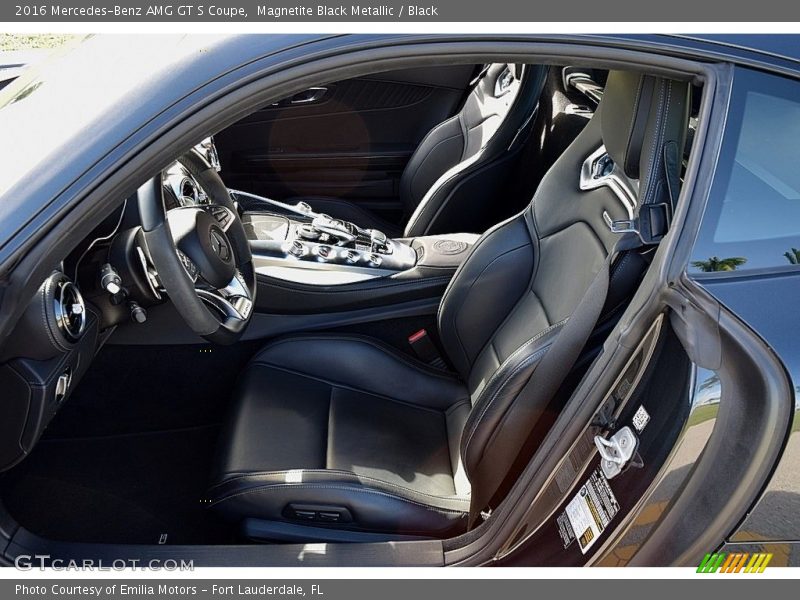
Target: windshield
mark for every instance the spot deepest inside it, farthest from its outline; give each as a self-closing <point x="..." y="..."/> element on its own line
<point x="78" y="94"/>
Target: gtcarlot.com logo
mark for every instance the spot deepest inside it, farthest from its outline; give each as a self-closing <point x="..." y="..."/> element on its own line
<point x="736" y="562"/>
<point x="26" y="562"/>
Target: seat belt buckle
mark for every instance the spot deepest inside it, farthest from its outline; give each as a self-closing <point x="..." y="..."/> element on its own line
<point x="650" y="224"/>
<point x="654" y="220"/>
<point x="425" y="349"/>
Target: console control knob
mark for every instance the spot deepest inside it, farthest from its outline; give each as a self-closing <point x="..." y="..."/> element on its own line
<point x="138" y="314"/>
<point x="378" y="237"/>
<point x="297" y="249"/>
<point x="374" y="260"/>
<point x="324" y="252"/>
<point x="352" y="256"/>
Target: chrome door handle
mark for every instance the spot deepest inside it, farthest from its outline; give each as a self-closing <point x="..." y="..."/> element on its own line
<point x="313" y="94"/>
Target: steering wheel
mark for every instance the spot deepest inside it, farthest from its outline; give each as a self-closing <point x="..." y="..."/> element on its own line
<point x="201" y="254"/>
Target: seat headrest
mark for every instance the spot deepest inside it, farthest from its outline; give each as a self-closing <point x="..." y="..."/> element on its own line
<point x="625" y="108"/>
<point x="643" y="123"/>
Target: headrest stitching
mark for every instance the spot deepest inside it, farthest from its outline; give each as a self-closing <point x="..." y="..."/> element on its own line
<point x="658" y="140"/>
<point x="633" y="119"/>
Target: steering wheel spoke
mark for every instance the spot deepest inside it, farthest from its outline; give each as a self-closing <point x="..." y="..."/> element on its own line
<point x="189" y="265"/>
<point x="223" y="215"/>
<point x="234" y="301"/>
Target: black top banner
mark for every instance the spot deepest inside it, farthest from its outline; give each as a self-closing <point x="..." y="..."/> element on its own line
<point x="464" y="11"/>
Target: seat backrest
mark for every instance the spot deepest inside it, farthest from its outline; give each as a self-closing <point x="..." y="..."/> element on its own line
<point x="501" y="101"/>
<point x="510" y="299"/>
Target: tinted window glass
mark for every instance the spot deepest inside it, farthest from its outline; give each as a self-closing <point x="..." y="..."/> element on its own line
<point x="753" y="218"/>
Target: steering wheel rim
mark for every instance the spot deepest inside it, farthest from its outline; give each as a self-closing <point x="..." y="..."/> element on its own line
<point x="188" y="250"/>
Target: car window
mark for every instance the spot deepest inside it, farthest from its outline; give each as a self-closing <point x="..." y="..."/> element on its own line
<point x="753" y="217"/>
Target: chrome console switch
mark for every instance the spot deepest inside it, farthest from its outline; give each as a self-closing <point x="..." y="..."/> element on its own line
<point x="296" y="248"/>
<point x="308" y="232"/>
<point x="304" y="246"/>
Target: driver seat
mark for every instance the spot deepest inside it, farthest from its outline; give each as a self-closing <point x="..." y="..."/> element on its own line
<point x="343" y="438"/>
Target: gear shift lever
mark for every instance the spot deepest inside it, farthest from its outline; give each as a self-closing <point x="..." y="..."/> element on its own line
<point x="335" y="228"/>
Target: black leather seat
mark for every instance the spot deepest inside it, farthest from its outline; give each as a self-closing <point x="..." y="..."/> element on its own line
<point x="443" y="186"/>
<point x="344" y="434"/>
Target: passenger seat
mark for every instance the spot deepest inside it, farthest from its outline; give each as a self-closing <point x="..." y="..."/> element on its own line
<point x="449" y="181"/>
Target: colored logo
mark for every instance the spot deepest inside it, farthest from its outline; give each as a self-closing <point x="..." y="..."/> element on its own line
<point x="737" y="562"/>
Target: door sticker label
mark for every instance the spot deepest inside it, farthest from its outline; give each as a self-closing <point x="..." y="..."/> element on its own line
<point x="641" y="419"/>
<point x="588" y="513"/>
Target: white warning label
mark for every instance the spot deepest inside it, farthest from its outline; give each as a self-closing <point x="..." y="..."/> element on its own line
<point x="590" y="511"/>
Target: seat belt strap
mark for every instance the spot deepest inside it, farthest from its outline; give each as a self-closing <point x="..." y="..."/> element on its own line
<point x="557" y="363"/>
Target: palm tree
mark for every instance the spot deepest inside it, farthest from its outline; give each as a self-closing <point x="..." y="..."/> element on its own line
<point x="793" y="256"/>
<point x="719" y="264"/>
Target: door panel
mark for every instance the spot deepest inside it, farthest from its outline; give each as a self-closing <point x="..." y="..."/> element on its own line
<point x="350" y="139"/>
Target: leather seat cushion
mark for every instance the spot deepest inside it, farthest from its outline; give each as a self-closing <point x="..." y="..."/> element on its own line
<point x="349" y="211"/>
<point x="312" y="426"/>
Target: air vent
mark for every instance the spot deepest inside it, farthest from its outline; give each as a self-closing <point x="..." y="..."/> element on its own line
<point x="70" y="310"/>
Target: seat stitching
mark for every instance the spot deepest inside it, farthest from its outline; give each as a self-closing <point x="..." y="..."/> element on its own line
<point x="657" y="139"/>
<point x="458" y="404"/>
<point x="337" y="487"/>
<point x="417" y="170"/>
<point x="619" y="265"/>
<point x="348" y="387"/>
<point x="478" y="243"/>
<point x="497" y="373"/>
<point x="389" y="351"/>
<point x="636" y="102"/>
<point x="397" y="283"/>
<point x="355" y="476"/>
<point x="525" y="363"/>
<point x="466" y="293"/>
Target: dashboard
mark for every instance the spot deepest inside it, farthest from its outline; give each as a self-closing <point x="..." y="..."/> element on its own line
<point x="106" y="280"/>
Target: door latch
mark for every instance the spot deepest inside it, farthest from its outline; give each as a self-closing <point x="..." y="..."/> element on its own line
<point x="617" y="451"/>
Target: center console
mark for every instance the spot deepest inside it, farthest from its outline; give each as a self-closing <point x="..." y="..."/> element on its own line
<point x="293" y="243"/>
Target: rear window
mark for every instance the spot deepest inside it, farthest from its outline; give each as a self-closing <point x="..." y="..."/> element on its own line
<point x="753" y="217"/>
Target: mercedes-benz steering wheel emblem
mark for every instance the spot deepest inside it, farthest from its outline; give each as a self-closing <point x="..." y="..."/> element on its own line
<point x="219" y="245"/>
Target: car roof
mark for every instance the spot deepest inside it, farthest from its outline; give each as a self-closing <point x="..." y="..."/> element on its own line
<point x="781" y="46"/>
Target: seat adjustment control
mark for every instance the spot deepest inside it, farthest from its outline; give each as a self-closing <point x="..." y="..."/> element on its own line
<point x="328" y="516"/>
<point x="318" y="514"/>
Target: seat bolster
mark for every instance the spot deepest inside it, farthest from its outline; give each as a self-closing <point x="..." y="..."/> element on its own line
<point x="348" y="211"/>
<point x="353" y="362"/>
<point x="496" y="407"/>
<point x="376" y="505"/>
